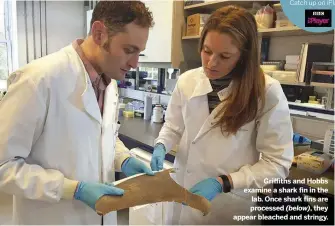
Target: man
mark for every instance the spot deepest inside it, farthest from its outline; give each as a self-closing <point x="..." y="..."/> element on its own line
<point x="59" y="124"/>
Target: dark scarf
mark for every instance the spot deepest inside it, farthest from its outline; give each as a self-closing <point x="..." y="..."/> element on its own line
<point x="217" y="85"/>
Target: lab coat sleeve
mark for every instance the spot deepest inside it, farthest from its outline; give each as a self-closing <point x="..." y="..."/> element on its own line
<point x="23" y="111"/>
<point x="274" y="142"/>
<point x="121" y="154"/>
<point x="174" y="126"/>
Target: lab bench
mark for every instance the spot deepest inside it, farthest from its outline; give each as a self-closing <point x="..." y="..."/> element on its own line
<point x="300" y="195"/>
<point x="140" y="133"/>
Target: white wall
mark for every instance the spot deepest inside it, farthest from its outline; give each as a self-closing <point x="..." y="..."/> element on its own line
<point x="65" y="22"/>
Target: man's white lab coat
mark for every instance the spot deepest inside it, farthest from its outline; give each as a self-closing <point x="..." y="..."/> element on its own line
<point x="50" y="129"/>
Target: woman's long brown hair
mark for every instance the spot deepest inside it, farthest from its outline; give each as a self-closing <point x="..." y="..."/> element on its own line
<point x="247" y="95"/>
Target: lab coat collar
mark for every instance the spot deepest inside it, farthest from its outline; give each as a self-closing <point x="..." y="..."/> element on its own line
<point x="88" y="101"/>
<point x="208" y="124"/>
<point x="203" y="85"/>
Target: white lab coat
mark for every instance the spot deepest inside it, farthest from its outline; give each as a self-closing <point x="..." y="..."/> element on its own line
<point x="51" y="128"/>
<point x="261" y="149"/>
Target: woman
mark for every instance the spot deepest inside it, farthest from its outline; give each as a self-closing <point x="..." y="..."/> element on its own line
<point x="232" y="123"/>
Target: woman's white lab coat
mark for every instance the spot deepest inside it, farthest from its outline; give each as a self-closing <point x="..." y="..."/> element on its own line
<point x="51" y="128"/>
<point x="261" y="149"/>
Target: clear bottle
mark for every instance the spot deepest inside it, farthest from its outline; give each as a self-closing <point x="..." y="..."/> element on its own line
<point x="130" y="107"/>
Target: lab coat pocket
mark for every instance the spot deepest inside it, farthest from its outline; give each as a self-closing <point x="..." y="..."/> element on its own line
<point x="149" y="214"/>
<point x="155" y="213"/>
<point x="245" y="139"/>
<point x="250" y="126"/>
<point x="220" y="214"/>
<point x="214" y="150"/>
<point x="246" y="134"/>
<point x="138" y="215"/>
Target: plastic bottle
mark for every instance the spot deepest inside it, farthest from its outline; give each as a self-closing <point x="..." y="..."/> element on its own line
<point x="147" y="107"/>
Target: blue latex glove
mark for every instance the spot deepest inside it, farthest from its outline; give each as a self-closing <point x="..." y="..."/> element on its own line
<point x="89" y="193"/>
<point x="158" y="156"/>
<point x="132" y="166"/>
<point x="208" y="188"/>
<point x="299" y="139"/>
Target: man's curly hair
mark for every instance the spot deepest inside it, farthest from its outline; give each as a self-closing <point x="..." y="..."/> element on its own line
<point x="117" y="14"/>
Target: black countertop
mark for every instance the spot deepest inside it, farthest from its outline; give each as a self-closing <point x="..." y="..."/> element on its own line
<point x="139" y="133"/>
<point x="139" y="129"/>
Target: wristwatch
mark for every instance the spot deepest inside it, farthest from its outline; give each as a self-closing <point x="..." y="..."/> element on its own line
<point x="226" y="186"/>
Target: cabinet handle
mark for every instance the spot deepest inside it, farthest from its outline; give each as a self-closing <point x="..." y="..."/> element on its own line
<point x="142" y="54"/>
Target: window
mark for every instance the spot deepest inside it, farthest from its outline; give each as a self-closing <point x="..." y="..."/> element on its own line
<point x="5" y="42"/>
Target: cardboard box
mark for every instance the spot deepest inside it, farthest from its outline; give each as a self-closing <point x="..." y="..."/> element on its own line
<point x="195" y="23"/>
<point x="292" y="59"/>
<point x="314" y="161"/>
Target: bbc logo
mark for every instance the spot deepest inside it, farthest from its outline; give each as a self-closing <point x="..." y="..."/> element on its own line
<point x="318" y="18"/>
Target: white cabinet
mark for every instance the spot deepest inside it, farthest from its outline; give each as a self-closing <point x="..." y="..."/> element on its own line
<point x="158" y="48"/>
<point x="88" y="20"/>
<point x="164" y="42"/>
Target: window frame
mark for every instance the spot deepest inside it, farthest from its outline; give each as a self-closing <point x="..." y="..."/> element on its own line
<point x="10" y="38"/>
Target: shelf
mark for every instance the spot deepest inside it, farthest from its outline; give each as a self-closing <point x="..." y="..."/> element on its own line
<point x="191" y="37"/>
<point x="308" y="105"/>
<point x="317" y="84"/>
<point x="276" y="32"/>
<point x="213" y="5"/>
<point x="287" y="31"/>
<point x="293" y="83"/>
<point x="324" y="85"/>
<point x="319" y="72"/>
<point x="151" y="79"/>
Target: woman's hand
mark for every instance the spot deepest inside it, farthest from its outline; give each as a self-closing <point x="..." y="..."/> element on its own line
<point x="208" y="188"/>
<point x="158" y="156"/>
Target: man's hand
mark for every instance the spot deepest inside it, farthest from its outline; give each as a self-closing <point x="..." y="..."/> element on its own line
<point x="90" y="193"/>
<point x="132" y="166"/>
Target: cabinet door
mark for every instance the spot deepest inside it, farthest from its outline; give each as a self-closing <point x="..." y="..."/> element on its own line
<point x="158" y="48"/>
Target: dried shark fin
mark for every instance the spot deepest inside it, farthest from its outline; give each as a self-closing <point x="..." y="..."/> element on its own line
<point x="146" y="189"/>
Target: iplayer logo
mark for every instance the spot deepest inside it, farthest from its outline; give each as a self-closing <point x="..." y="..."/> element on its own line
<point x="318" y="18"/>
